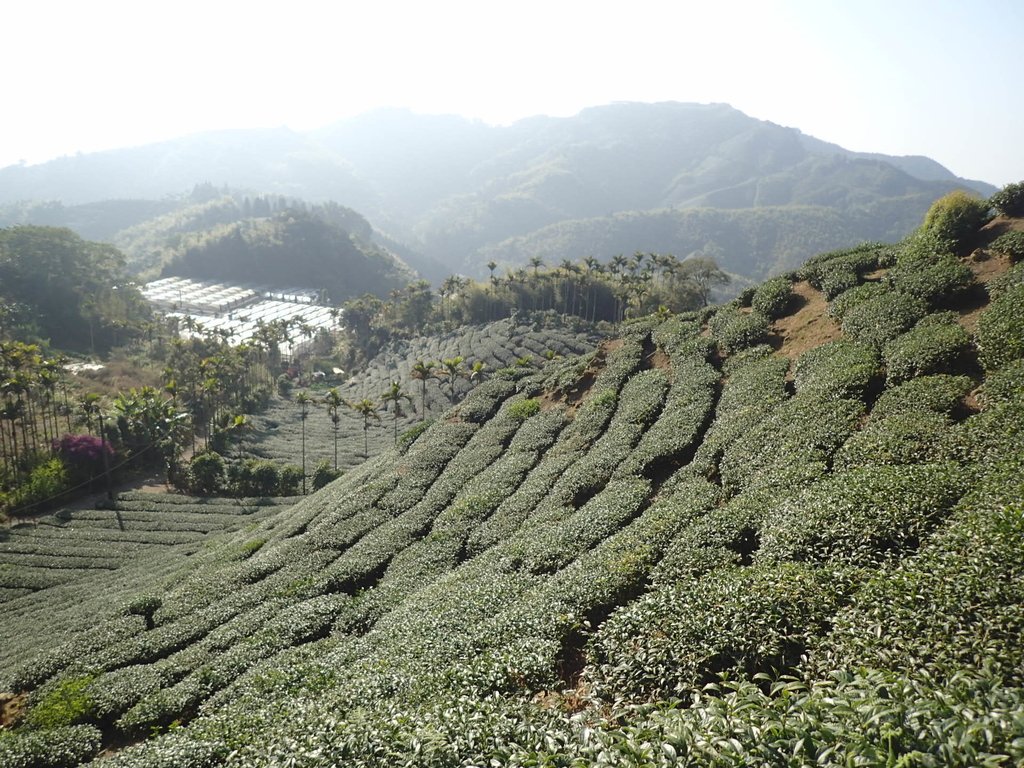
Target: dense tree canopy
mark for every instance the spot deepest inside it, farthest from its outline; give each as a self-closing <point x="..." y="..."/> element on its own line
<point x="56" y="286"/>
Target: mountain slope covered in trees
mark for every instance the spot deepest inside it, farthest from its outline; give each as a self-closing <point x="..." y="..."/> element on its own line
<point x="452" y="190"/>
<point x="785" y="530"/>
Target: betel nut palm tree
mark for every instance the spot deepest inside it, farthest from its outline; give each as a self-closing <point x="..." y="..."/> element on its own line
<point x="367" y="409"/>
<point x="304" y="401"/>
<point x="421" y="371"/>
<point x="334" y="401"/>
<point x="395" y="395"/>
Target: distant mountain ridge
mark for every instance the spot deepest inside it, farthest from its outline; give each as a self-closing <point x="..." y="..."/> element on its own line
<point x="456" y="190"/>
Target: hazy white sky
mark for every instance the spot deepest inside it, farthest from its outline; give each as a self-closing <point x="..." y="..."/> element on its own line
<point x="938" y="78"/>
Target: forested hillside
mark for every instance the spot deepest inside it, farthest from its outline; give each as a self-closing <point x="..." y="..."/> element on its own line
<point x="452" y="193"/>
<point x="782" y="531"/>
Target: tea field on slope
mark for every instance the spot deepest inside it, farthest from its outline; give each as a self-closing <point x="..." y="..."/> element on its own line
<point x="277" y="432"/>
<point x="699" y="544"/>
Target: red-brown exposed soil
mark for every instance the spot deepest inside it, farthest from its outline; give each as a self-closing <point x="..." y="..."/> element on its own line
<point x="574" y="396"/>
<point x="808" y="327"/>
<point x="11" y="708"/>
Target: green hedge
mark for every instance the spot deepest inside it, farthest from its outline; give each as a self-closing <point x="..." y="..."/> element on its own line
<point x="837" y="369"/>
<point x="772" y="298"/>
<point x="1010" y="243"/>
<point x="1004" y="385"/>
<point x="1001" y="330"/>
<point x="744" y="621"/>
<point x="883" y="318"/>
<point x="958" y="603"/>
<point x="1013" y="278"/>
<point x="734" y="330"/>
<point x="935" y="279"/>
<point x="941" y="393"/>
<point x="956" y="216"/>
<point x="937" y="344"/>
<point x="1009" y="200"/>
<point x="849" y="299"/>
<point x="916" y="437"/>
<point x="864" y="516"/>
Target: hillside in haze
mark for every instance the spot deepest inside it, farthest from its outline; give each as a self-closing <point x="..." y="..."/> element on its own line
<point x="455" y="193"/>
<point x="781" y="531"/>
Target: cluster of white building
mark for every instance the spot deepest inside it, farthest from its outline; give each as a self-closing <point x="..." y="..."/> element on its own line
<point x="239" y="310"/>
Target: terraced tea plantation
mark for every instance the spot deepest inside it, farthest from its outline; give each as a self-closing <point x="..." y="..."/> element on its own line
<point x="67" y="563"/>
<point x="786" y="531"/>
<point x="276" y="433"/>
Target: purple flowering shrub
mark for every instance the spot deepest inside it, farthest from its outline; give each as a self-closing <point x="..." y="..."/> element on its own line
<point x="83" y="454"/>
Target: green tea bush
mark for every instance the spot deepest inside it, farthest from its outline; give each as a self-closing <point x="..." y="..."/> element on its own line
<point x="744" y="357"/>
<point x="734" y="330"/>
<point x="956" y="216"/>
<point x="324" y="474"/>
<point x="1013" y="278"/>
<point x="937" y="344"/>
<point x="942" y="393"/>
<point x="772" y="297"/>
<point x="744" y="621"/>
<point x="1000" y="332"/>
<point x="834" y="272"/>
<point x="864" y="516"/>
<point x="804" y="431"/>
<point x="752" y="390"/>
<point x="1011" y="244"/>
<point x="869" y="717"/>
<point x="521" y="410"/>
<point x="883" y="318"/>
<point x="837" y="369"/>
<point x="61" y="703"/>
<point x="934" y="279"/>
<point x="990" y="436"/>
<point x="1009" y="200"/>
<point x="206" y="473"/>
<point x="915" y="437"/>
<point x="1004" y="385"/>
<point x="958" y="604"/>
<point x="53" y="748"/>
<point x="850" y="298"/>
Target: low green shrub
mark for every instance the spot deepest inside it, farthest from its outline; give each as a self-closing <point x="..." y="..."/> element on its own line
<point x="734" y="330"/>
<point x="850" y="298"/>
<point x="407" y="438"/>
<point x="772" y="298"/>
<point x="836" y="369"/>
<point x="1009" y="200"/>
<point x="53" y="748"/>
<point x="958" y="602"/>
<point x="45" y="483"/>
<point x="1013" y="278"/>
<point x="680" y="637"/>
<point x="834" y="272"/>
<point x="935" y="279"/>
<point x="1004" y="385"/>
<point x="521" y="410"/>
<point x="906" y="438"/>
<point x="883" y="318"/>
<point x="941" y="393"/>
<point x="935" y="345"/>
<point x="323" y="474"/>
<point x="865" y="516"/>
<point x="206" y="473"/>
<point x="66" y="702"/>
<point x="1011" y="244"/>
<point x="956" y="216"/>
<point x="289" y="480"/>
<point x="1000" y="332"/>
